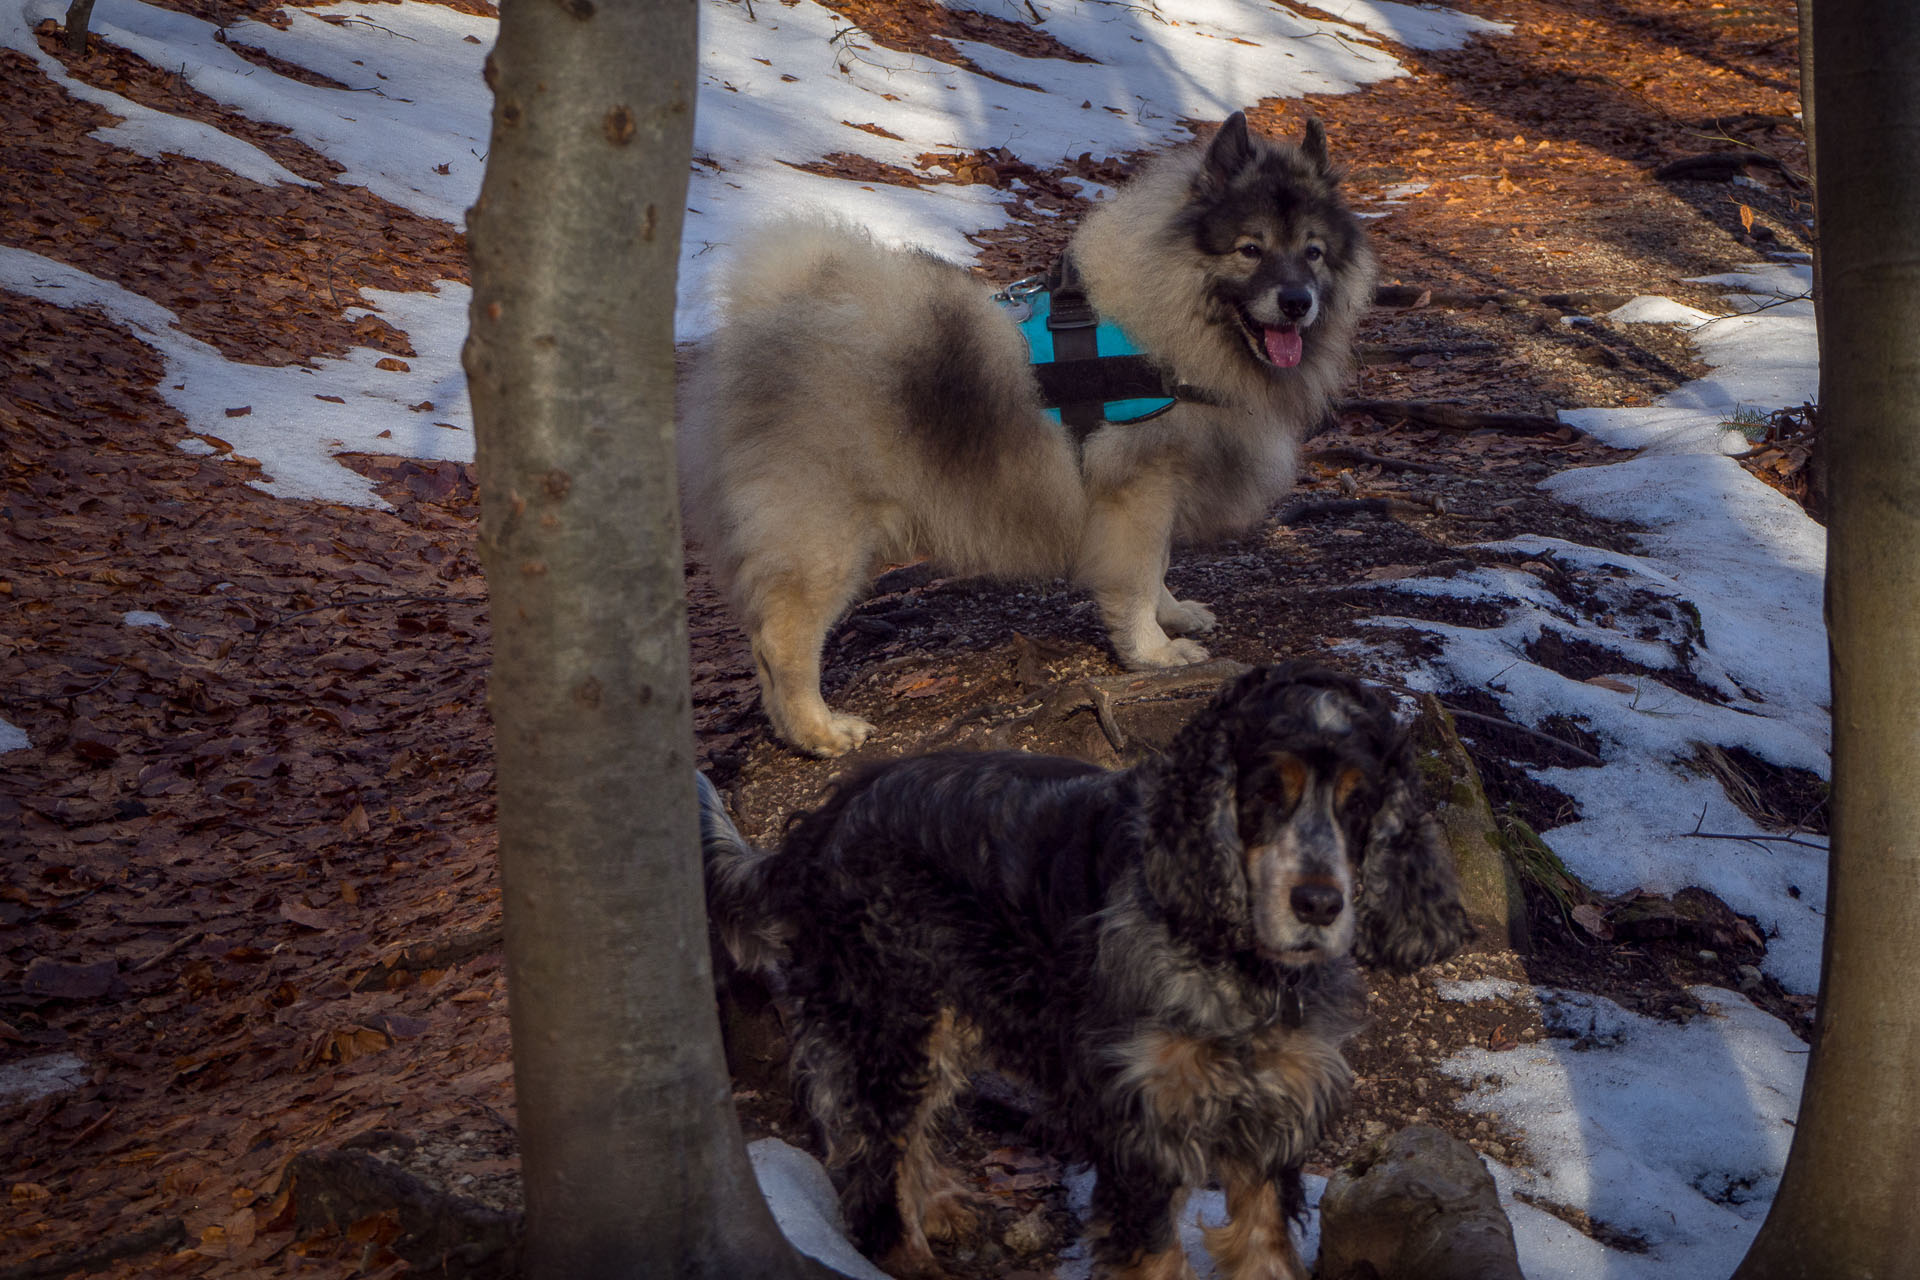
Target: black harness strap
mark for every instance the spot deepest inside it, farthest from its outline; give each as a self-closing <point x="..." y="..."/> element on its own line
<point x="1075" y="384"/>
<point x="1079" y="381"/>
<point x="1073" y="325"/>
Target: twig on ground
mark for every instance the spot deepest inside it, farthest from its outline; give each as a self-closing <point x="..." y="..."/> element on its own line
<point x="1761" y="839"/>
<point x="441" y="953"/>
<point x="1453" y="417"/>
<point x="172" y="949"/>
<point x="97" y="1257"/>
<point x="1103" y="712"/>
<point x="1360" y="457"/>
<point x="1585" y="756"/>
<point x="331" y="295"/>
<point x="93" y="1129"/>
<point x="1303" y="509"/>
<point x="1778" y="300"/>
<point x="1405" y="296"/>
<point x="1698" y="834"/>
<point x="1461" y="713"/>
<point x="1395" y="352"/>
<point x="359" y="20"/>
<point x="56" y="697"/>
<point x="254" y="639"/>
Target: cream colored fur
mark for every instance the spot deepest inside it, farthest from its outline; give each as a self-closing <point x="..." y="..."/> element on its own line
<point x="862" y="406"/>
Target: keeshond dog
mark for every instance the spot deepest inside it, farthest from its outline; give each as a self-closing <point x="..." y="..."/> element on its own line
<point x="860" y="406"/>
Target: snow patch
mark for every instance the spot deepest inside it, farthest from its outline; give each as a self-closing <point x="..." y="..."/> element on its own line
<point x="804" y="1204"/>
<point x="1672" y="1133"/>
<point x="141" y="130"/>
<point x="31" y="1079"/>
<point x="292" y="433"/>
<point x="1470" y="990"/>
<point x="1648" y="309"/>
<point x="1205" y="1207"/>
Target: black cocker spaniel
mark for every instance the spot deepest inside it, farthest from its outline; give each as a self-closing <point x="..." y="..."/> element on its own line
<point x="1164" y="953"/>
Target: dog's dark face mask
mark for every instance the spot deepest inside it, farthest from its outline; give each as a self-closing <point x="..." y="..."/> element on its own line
<point x="1302" y="812"/>
<point x="1297" y="833"/>
<point x="1271" y="223"/>
<point x="1299" y="848"/>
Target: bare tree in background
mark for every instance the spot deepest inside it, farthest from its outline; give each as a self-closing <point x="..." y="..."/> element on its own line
<point x="631" y="1153"/>
<point x="1847" y="1203"/>
<point x="79" y="13"/>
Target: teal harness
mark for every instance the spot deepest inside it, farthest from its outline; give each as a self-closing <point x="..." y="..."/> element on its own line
<point x="1090" y="372"/>
<point x="1110" y="340"/>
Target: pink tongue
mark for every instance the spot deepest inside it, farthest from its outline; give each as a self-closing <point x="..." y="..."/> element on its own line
<point x="1283" y="346"/>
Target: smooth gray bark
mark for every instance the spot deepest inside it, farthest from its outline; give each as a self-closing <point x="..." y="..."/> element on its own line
<point x="630" y="1148"/>
<point x="1846" y="1206"/>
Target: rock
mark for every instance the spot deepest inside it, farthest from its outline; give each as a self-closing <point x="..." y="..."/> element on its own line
<point x="1489" y="886"/>
<point x="441" y="1232"/>
<point x="31" y="1079"/>
<point x="1416" y="1206"/>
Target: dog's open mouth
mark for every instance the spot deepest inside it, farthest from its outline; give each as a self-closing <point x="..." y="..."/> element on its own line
<point x="1279" y="345"/>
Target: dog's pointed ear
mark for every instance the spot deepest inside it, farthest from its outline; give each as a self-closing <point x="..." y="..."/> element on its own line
<point x="1314" y="145"/>
<point x="1230" y="152"/>
<point x="1409" y="910"/>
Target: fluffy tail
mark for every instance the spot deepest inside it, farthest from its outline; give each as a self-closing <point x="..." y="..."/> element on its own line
<point x="738" y="901"/>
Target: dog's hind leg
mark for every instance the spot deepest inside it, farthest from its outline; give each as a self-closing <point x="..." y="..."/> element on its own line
<point x="878" y="1081"/>
<point x="933" y="1203"/>
<point x="788" y="613"/>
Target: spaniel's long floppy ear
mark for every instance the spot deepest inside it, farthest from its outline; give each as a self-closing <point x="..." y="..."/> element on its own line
<point x="1408" y="908"/>
<point x="1193" y="862"/>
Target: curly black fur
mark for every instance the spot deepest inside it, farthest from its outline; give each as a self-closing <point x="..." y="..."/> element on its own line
<point x="1165" y="953"/>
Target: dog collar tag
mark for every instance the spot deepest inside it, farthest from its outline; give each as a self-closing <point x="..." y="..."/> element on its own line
<point x="1292" y="1012"/>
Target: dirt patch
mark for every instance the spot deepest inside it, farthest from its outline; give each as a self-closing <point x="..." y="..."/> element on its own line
<point x="1579" y="659"/>
<point x="928" y="29"/>
<point x="1775" y="796"/>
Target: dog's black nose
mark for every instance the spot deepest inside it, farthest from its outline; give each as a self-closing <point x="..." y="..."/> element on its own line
<point x="1295" y="302"/>
<point x="1316" y="903"/>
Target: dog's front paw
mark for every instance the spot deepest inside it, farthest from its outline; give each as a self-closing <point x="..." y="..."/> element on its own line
<point x="1171" y="653"/>
<point x="837" y="736"/>
<point x="1183" y="617"/>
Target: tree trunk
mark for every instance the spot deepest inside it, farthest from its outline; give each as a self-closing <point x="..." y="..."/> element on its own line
<point x="1818" y="480"/>
<point x="1845" y="1209"/>
<point x="79" y="13"/>
<point x="631" y="1153"/>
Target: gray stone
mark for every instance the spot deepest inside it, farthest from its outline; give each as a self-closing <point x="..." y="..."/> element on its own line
<point x="1418" y="1205"/>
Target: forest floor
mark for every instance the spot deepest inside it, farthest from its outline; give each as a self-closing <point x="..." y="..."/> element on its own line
<point x="249" y="903"/>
